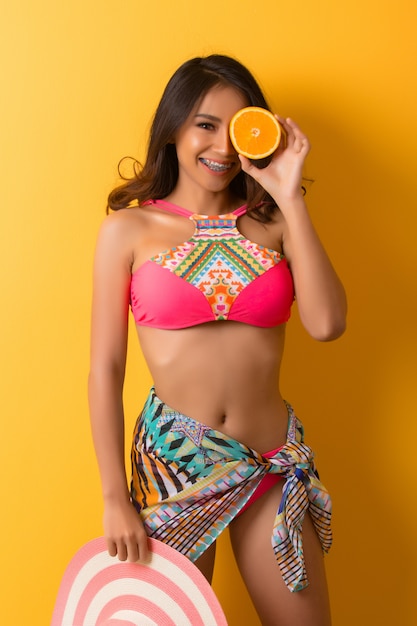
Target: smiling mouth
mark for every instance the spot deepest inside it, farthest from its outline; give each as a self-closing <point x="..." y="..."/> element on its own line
<point x="215" y="166"/>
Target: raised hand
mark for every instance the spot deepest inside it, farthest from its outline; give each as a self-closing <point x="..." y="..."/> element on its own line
<point x="282" y="177"/>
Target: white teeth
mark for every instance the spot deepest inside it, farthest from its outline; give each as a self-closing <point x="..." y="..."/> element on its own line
<point x="215" y="166"/>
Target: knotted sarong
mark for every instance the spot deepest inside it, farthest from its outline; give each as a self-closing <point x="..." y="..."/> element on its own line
<point x="190" y="481"/>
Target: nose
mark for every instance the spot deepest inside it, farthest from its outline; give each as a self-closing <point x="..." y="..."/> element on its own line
<point x="223" y="144"/>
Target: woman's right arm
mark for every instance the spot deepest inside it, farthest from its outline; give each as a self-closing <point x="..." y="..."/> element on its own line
<point x="123" y="529"/>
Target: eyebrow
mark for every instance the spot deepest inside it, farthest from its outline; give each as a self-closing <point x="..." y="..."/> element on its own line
<point x="207" y="116"/>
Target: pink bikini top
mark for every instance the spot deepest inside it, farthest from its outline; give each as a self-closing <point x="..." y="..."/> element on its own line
<point x="216" y="275"/>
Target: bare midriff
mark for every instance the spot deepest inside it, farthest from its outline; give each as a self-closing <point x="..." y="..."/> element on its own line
<point x="224" y="375"/>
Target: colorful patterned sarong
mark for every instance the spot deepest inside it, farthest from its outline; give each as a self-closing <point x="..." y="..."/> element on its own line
<point x="190" y="481"/>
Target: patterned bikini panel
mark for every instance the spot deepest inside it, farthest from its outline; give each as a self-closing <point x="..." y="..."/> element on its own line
<point x="218" y="261"/>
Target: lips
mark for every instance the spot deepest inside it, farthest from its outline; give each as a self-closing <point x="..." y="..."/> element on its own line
<point x="216" y="166"/>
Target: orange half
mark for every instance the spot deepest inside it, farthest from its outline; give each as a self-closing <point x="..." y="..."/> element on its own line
<point x="255" y="132"/>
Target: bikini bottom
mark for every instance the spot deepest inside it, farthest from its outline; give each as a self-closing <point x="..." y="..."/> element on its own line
<point x="190" y="481"/>
<point x="268" y="481"/>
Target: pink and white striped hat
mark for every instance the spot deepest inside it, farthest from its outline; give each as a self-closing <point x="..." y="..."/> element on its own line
<point x="99" y="590"/>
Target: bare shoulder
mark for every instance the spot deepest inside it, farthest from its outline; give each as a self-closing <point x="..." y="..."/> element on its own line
<point x="121" y="223"/>
<point x="119" y="234"/>
<point x="270" y="234"/>
<point x="122" y="226"/>
<point x="278" y="227"/>
<point x="277" y="223"/>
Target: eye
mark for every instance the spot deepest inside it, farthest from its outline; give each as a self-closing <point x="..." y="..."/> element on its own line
<point x="205" y="125"/>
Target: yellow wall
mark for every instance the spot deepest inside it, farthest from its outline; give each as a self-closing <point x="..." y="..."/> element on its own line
<point x="79" y="83"/>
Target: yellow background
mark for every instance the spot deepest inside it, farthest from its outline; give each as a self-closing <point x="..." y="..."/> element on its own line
<point x="79" y="83"/>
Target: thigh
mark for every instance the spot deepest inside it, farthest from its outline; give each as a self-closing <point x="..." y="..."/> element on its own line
<point x="250" y="535"/>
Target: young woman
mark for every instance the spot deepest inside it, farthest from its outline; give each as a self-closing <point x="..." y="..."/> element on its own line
<point x="210" y="251"/>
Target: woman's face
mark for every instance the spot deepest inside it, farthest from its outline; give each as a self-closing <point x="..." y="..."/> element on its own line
<point x="206" y="157"/>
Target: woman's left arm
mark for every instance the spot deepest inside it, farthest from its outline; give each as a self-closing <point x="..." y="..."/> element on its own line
<point x="320" y="294"/>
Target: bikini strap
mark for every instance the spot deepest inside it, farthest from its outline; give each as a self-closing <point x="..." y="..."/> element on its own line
<point x="168" y="206"/>
<point x="241" y="210"/>
<point x="174" y="208"/>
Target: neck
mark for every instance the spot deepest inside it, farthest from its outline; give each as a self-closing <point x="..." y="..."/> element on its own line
<point x="205" y="203"/>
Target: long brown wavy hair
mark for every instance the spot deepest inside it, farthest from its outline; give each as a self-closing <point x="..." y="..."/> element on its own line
<point x="189" y="84"/>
